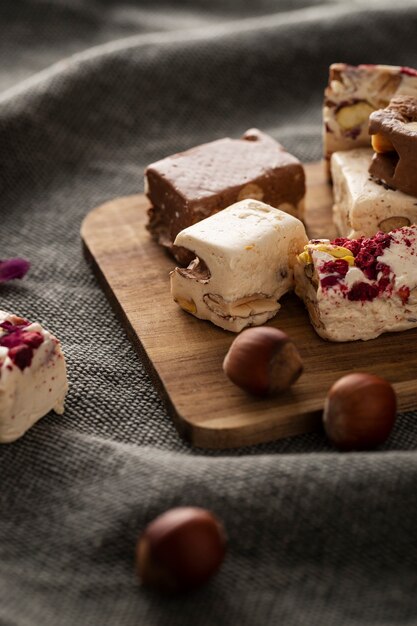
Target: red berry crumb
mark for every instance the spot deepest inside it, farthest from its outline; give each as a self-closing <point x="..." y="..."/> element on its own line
<point x="21" y="343"/>
<point x="404" y="293"/>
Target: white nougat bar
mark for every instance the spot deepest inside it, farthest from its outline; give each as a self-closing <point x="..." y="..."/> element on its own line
<point x="360" y="288"/>
<point x="363" y="206"/>
<point x="244" y="263"/>
<point x="33" y="377"/>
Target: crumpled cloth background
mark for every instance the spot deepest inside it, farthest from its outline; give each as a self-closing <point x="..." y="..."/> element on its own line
<point x="90" y="92"/>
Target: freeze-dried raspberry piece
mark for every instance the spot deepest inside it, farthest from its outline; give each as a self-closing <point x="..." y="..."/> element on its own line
<point x="363" y="292"/>
<point x="354" y="245"/>
<point x="404" y="293"/>
<point x="32" y="339"/>
<point x="21" y="343"/>
<point x="21" y="356"/>
<point x="360" y="295"/>
<point x="383" y="283"/>
<point x="15" y="325"/>
<point x="33" y="375"/>
<point x="339" y="266"/>
<point x="329" y="281"/>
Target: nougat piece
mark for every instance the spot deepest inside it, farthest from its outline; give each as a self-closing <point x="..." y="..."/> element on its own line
<point x="394" y="139"/>
<point x="243" y="263"/>
<point x="352" y="94"/>
<point x="190" y="186"/>
<point x="360" y="288"/>
<point x="33" y="377"/>
<point x="362" y="204"/>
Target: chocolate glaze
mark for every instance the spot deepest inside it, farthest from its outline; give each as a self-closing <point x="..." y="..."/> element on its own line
<point x="398" y="167"/>
<point x="190" y="186"/>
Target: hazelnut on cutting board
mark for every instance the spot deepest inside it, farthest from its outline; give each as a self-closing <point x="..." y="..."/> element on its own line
<point x="263" y="361"/>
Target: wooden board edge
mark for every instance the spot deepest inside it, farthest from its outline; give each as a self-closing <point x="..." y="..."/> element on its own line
<point x="223" y="439"/>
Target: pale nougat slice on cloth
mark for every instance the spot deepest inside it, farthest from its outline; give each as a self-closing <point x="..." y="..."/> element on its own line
<point x="352" y="94"/>
<point x="244" y="259"/>
<point x="362" y="205"/>
<point x="33" y="377"/>
<point x="360" y="288"/>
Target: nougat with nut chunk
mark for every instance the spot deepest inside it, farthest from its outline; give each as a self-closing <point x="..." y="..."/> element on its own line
<point x="190" y="186"/>
<point x="360" y="288"/>
<point x="364" y="205"/>
<point x="243" y="259"/>
<point x="352" y="94"/>
<point x="394" y="138"/>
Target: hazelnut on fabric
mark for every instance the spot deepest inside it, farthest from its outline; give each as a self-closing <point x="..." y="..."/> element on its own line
<point x="180" y="550"/>
<point x="263" y="361"/>
<point x="359" y="411"/>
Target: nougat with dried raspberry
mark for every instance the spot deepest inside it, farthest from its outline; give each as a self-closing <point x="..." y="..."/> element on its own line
<point x="360" y="288"/>
<point x="33" y="377"/>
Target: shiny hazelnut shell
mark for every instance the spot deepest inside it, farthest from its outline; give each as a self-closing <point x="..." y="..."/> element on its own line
<point x="359" y="411"/>
<point x="263" y="361"/>
<point x="180" y="549"/>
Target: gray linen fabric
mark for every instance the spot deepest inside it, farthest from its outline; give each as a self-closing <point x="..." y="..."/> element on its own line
<point x="315" y="537"/>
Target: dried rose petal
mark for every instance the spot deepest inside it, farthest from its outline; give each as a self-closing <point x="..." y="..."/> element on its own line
<point x="13" y="268"/>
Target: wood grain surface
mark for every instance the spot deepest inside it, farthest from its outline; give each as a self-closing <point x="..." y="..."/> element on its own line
<point x="184" y="355"/>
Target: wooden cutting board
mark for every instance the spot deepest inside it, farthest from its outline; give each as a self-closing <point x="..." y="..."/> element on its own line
<point x="184" y="355"/>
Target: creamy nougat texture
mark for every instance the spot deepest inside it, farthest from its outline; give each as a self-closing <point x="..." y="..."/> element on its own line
<point x="29" y="389"/>
<point x="359" y="289"/>
<point x="363" y="206"/>
<point x="244" y="258"/>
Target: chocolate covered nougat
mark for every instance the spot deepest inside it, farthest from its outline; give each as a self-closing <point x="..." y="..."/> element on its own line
<point x="352" y="94"/>
<point x="190" y="186"/>
<point x="394" y="139"/>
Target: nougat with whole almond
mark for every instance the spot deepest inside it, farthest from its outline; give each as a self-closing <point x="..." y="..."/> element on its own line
<point x="352" y="94"/>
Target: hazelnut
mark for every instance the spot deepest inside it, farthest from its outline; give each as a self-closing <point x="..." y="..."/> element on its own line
<point x="180" y="550"/>
<point x="251" y="191"/>
<point x="381" y="144"/>
<point x="354" y="115"/>
<point x="187" y="305"/>
<point x="263" y="361"/>
<point x="359" y="411"/>
<point x="391" y="223"/>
